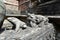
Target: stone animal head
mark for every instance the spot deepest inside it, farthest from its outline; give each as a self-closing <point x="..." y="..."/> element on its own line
<point x="31" y="17"/>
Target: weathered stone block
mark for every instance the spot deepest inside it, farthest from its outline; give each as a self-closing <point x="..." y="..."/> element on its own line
<point x="43" y="33"/>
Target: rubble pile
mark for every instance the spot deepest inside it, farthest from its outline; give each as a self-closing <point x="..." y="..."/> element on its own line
<point x="38" y="29"/>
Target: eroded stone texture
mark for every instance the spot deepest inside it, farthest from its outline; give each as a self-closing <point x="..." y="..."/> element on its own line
<point x="41" y="31"/>
<point x="29" y="34"/>
<point x="18" y="23"/>
<point x="37" y="20"/>
<point x="7" y="24"/>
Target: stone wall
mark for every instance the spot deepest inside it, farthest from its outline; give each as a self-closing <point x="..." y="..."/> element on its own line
<point x="11" y="4"/>
<point x="23" y="5"/>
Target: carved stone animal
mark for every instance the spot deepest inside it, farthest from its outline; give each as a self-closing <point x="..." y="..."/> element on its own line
<point x="18" y="23"/>
<point x="37" y="20"/>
